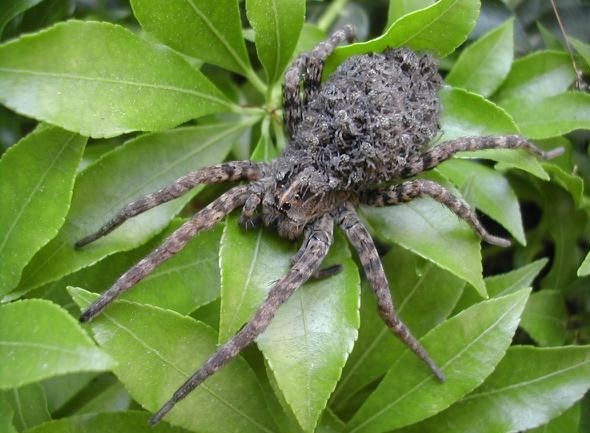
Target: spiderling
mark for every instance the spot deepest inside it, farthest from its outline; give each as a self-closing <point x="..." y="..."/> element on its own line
<point x="353" y="140"/>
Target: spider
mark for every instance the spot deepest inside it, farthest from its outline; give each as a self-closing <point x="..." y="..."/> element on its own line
<point x="353" y="139"/>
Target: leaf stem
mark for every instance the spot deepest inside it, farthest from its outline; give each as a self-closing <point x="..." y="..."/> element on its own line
<point x="256" y="81"/>
<point x="330" y="14"/>
<point x="248" y="111"/>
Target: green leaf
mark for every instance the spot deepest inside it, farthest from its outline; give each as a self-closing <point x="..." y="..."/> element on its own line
<point x="6" y="415"/>
<point x="582" y="48"/>
<point x="571" y="182"/>
<point x="62" y="389"/>
<point x="399" y="8"/>
<point x="251" y="261"/>
<point x="551" y="41"/>
<point x="545" y="318"/>
<point x="207" y="30"/>
<point x="483" y="66"/>
<point x="465" y="113"/>
<point x="584" y="268"/>
<point x="489" y="191"/>
<point x="141" y="166"/>
<point x="38" y="339"/>
<point x="432" y="231"/>
<point x="306" y="365"/>
<point x="187" y="281"/>
<point x="551" y="116"/>
<point x="510" y="282"/>
<point x="569" y="421"/>
<point x="130" y="422"/>
<point x="36" y="181"/>
<point x="516" y="396"/>
<point x="307" y="343"/>
<point x="264" y="150"/>
<point x="101" y="80"/>
<point x="467" y="347"/>
<point x="425" y="295"/>
<point x="12" y="8"/>
<point x="113" y="398"/>
<point x="540" y="74"/>
<point x="158" y="350"/>
<point x="277" y="24"/>
<point x="504" y="284"/>
<point x="29" y="405"/>
<point x="438" y="29"/>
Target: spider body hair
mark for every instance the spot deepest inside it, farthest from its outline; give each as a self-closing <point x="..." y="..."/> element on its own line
<point x="353" y="140"/>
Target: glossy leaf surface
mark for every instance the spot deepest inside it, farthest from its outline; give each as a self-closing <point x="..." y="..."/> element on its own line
<point x="139" y="167"/>
<point x="541" y="74"/>
<point x="251" y="261"/>
<point x="311" y="336"/>
<point x="483" y="66"/>
<point x="438" y="29"/>
<point x="545" y="318"/>
<point x="551" y="116"/>
<point x="517" y="397"/>
<point x="430" y="230"/>
<point x="158" y="350"/>
<point x="35" y="201"/>
<point x="467" y="347"/>
<point x="305" y="364"/>
<point x="465" y="114"/>
<point x="29" y="404"/>
<point x="584" y="268"/>
<point x="132" y="421"/>
<point x="38" y="339"/>
<point x="10" y="9"/>
<point x="277" y="24"/>
<point x="207" y="30"/>
<point x="424" y="294"/>
<point x="101" y="80"/>
<point x="488" y="191"/>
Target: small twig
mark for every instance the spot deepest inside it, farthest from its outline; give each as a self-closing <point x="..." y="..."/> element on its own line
<point x="579" y="77"/>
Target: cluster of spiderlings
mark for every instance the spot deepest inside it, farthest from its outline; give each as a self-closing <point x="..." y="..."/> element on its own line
<point x="370" y="118"/>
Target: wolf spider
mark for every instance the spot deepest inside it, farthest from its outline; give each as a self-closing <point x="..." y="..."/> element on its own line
<point x="350" y="138"/>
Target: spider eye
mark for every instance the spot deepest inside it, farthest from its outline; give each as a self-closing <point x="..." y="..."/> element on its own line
<point x="286" y="206"/>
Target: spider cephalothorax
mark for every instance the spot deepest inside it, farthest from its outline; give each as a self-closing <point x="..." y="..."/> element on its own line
<point x="353" y="139"/>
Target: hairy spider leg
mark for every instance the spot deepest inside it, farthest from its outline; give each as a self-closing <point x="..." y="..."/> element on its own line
<point x="317" y="57"/>
<point x="447" y="149"/>
<point x="308" y="67"/>
<point x="317" y="246"/>
<point x="230" y="171"/>
<point x="362" y="242"/>
<point x="247" y="219"/>
<point x="292" y="102"/>
<point x="202" y="220"/>
<point x="408" y="191"/>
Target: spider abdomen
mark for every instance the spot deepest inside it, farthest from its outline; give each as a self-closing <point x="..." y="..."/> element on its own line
<point x="371" y="117"/>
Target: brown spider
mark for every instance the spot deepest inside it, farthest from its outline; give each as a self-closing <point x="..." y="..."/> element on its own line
<point x="366" y="126"/>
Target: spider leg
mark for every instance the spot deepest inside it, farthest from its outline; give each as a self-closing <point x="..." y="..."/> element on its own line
<point x="292" y="102"/>
<point x="235" y="170"/>
<point x="247" y="219"/>
<point x="363" y="243"/>
<point x="317" y="57"/>
<point x="317" y="246"/>
<point x="446" y="150"/>
<point x="308" y="67"/>
<point x="204" y="219"/>
<point x="410" y="190"/>
<point x="319" y="274"/>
